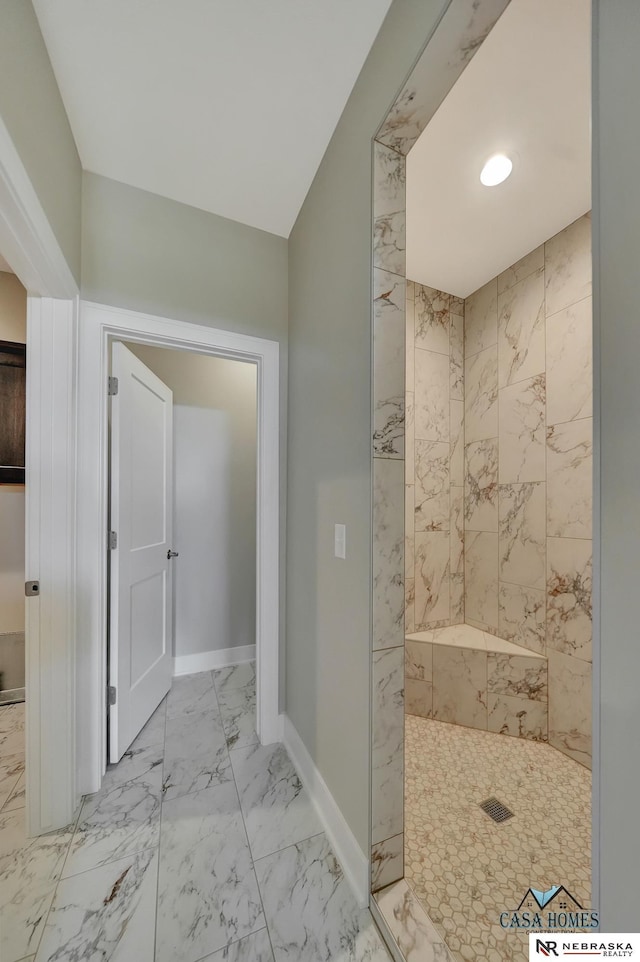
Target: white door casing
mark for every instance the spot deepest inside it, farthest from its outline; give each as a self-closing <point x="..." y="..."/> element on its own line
<point x="99" y="326"/>
<point x="141" y="481"/>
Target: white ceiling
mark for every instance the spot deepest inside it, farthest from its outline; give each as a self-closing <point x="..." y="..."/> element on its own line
<point x="227" y="105"/>
<point x="525" y="93"/>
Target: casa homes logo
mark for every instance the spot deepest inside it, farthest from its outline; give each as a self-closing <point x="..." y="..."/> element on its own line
<point x="555" y="909"/>
<point x="616" y="946"/>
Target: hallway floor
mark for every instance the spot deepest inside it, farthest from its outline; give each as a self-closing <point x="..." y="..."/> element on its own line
<point x="201" y="846"/>
<point x="465" y="868"/>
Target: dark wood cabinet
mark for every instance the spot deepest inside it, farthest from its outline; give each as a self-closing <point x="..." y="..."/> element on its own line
<point x="13" y="385"/>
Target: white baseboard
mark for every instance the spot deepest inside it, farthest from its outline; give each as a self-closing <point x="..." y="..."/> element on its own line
<point x="207" y="660"/>
<point x="345" y="847"/>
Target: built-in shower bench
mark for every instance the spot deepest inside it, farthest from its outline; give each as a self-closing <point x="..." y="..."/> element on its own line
<point x="469" y="677"/>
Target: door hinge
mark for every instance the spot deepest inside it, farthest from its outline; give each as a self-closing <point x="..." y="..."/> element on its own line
<point x="113" y="540"/>
<point x="112" y="695"/>
<point x="113" y="386"/>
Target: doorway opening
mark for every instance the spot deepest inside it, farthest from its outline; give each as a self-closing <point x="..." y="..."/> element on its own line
<point x="483" y="634"/>
<point x="183" y="475"/>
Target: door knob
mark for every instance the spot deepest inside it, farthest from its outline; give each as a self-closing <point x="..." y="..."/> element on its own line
<point x="172" y="554"/>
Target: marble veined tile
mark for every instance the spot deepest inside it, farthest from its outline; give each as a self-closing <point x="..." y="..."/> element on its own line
<point x="387" y="862"/>
<point x="456" y="440"/>
<point x="123" y="817"/>
<point x="389" y="363"/>
<point x="390" y="179"/>
<point x="410" y="345"/>
<point x="238" y="710"/>
<point x="411" y="927"/>
<point x="253" y="948"/>
<point x="207" y="891"/>
<point x="389" y="242"/>
<point x="570" y="705"/>
<point x="17" y="798"/>
<point x="409" y="533"/>
<point x="431" y="505"/>
<point x="276" y="808"/>
<point x="569" y="483"/>
<point x="107" y="913"/>
<point x="410" y="603"/>
<point x="432" y="597"/>
<point x="418" y="659"/>
<point x="11" y="768"/>
<point x="29" y="870"/>
<point x="569" y="603"/>
<point x="481" y="486"/>
<point x="456" y="356"/>
<point x="521" y="616"/>
<point x="196" y="754"/>
<point x="460" y="686"/>
<point x="456" y="561"/>
<point x="570" y="363"/>
<point x="12" y="737"/>
<point x="432" y="319"/>
<point x="524" y="677"/>
<point x="481" y="397"/>
<point x="522" y="530"/>
<point x="521" y="346"/>
<point x="388" y="552"/>
<point x="567" y="265"/>
<point x="518" y="716"/>
<point x="529" y="264"/>
<point x="235" y="676"/>
<point x="387" y="750"/>
<point x="431" y="396"/>
<point x="409" y="437"/>
<point x="481" y="318"/>
<point x="481" y="578"/>
<point x="191" y="693"/>
<point x="522" y="409"/>
<point x="153" y="731"/>
<point x="418" y="697"/>
<point x="311" y="913"/>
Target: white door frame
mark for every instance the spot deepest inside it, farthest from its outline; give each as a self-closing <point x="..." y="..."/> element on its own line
<point x="29" y="244"/>
<point x="99" y="326"/>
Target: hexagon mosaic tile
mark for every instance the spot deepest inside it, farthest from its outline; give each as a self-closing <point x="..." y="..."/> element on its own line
<point x="467" y="869"/>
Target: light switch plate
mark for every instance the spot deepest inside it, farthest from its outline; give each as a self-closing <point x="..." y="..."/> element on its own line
<point x="340" y="541"/>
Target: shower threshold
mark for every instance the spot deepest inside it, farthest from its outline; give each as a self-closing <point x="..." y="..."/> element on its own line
<point x="11" y="696"/>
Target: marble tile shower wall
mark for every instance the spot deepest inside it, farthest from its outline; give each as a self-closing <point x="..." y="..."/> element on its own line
<point x="528" y="461"/>
<point x="387" y="753"/>
<point x="434" y="476"/>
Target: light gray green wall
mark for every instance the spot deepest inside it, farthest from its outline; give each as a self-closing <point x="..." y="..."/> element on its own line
<point x="329" y="478"/>
<point x="33" y="112"/>
<point x="616" y="231"/>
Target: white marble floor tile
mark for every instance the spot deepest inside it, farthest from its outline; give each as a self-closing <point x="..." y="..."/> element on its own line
<point x="11" y="729"/>
<point x="254" y="948"/>
<point x="17" y="798"/>
<point x="311" y="913"/>
<point x="106" y="914"/>
<point x="276" y="808"/>
<point x="123" y="817"/>
<point x="235" y="676"/>
<point x="191" y="694"/>
<point x="238" y="710"/>
<point x="11" y="770"/>
<point x="196" y="754"/>
<point x="410" y="925"/>
<point x="29" y="869"/>
<point x="207" y="891"/>
<point x="153" y="731"/>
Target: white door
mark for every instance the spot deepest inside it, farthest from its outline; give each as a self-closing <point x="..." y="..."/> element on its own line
<point x="140" y="639"/>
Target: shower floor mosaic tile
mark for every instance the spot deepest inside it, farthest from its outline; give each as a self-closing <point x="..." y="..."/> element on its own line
<point x="465" y="868"/>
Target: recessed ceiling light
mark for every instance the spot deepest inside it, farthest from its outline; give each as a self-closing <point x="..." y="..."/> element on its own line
<point x="496" y="169"/>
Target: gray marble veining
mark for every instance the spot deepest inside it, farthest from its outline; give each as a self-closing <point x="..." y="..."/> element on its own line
<point x="196" y="754"/>
<point x="238" y="710"/>
<point x="253" y="948"/>
<point x="242" y="675"/>
<point x="191" y="694"/>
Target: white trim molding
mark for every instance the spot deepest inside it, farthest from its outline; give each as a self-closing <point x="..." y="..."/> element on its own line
<point x="211" y="660"/>
<point x="99" y="326"/>
<point x="50" y="559"/>
<point x="345" y="847"/>
<point x="26" y="238"/>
